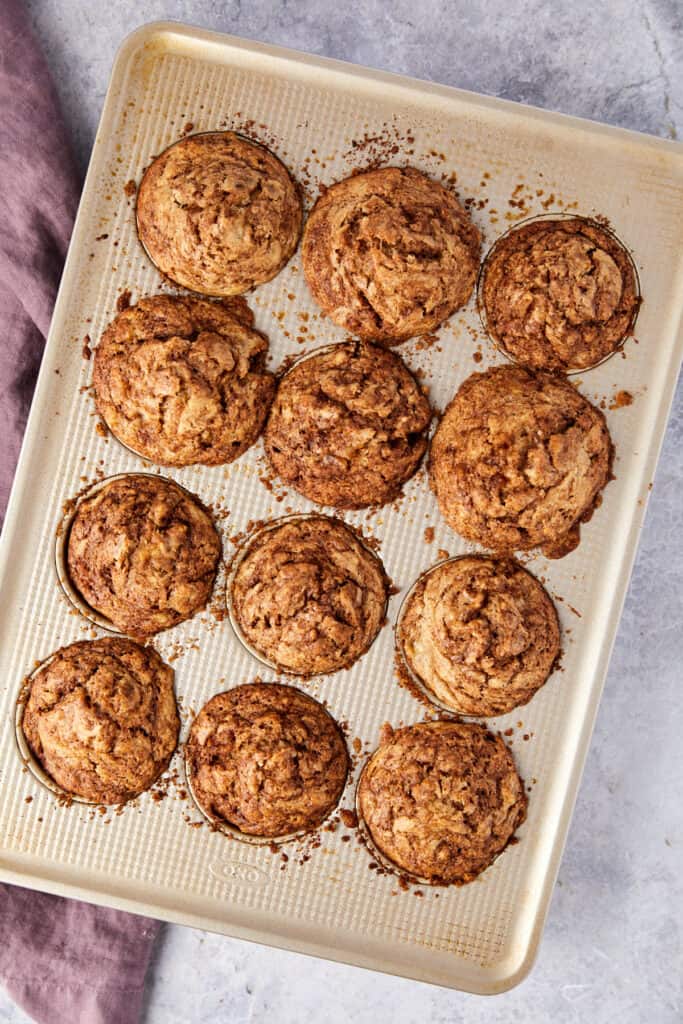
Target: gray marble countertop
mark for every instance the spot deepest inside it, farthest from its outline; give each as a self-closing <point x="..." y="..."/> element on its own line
<point x="612" y="949"/>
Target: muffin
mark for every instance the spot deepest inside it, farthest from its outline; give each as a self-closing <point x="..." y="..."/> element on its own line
<point x="480" y="634"/>
<point x="218" y="213"/>
<point x="389" y="254"/>
<point x="559" y="295"/>
<point x="308" y="596"/>
<point x="348" y="426"/>
<point x="100" y="718"/>
<point x="519" y="460"/>
<point x="441" y="800"/>
<point x="182" y="380"/>
<point x="267" y="760"/>
<point x="143" y="552"/>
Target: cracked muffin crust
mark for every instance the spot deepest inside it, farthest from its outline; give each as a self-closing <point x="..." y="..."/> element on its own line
<point x="308" y="595"/>
<point x="182" y="380"/>
<point x="348" y="426"/>
<point x="218" y="213"/>
<point x="518" y="461"/>
<point x="481" y="634"/>
<point x="266" y="759"/>
<point x="144" y="553"/>
<point x="389" y="254"/>
<point x="441" y="799"/>
<point x="559" y="295"/>
<point x="101" y="719"/>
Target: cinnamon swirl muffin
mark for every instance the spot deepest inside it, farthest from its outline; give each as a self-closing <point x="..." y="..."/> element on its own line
<point x="308" y="596"/>
<point x="267" y="760"/>
<point x="100" y="717"/>
<point x="218" y="213"/>
<point x="143" y="552"/>
<point x="519" y="460"/>
<point x="559" y="294"/>
<point x="182" y="380"/>
<point x="480" y="634"/>
<point x="441" y="800"/>
<point x="389" y="254"/>
<point x="348" y="426"/>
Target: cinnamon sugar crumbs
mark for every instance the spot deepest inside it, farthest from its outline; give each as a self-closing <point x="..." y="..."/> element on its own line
<point x="425" y="342"/>
<point x="621" y="400"/>
<point x="348" y="818"/>
<point x="123" y="301"/>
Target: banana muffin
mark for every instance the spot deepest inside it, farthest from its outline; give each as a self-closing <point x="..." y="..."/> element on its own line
<point x="182" y="380"/>
<point x="480" y="634"/>
<point x="390" y="253"/>
<point x="218" y="213"/>
<point x="559" y="295"/>
<point x="308" y="595"/>
<point x="101" y="719"/>
<point x="267" y="760"/>
<point x="518" y="461"/>
<point x="144" y="553"/>
<point x="348" y="426"/>
<point x="441" y="800"/>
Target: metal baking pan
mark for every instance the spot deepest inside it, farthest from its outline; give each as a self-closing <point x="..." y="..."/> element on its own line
<point x="324" y="119"/>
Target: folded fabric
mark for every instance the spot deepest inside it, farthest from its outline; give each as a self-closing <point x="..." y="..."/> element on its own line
<point x="61" y="960"/>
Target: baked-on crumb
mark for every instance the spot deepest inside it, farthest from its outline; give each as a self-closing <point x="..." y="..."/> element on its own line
<point x="218" y="213"/>
<point x="182" y="380"/>
<point x="441" y="799"/>
<point x="518" y="461"/>
<point x="308" y="595"/>
<point x="266" y="759"/>
<point x="348" y="426"/>
<point x="143" y="552"/>
<point x="101" y="719"/>
<point x="390" y="254"/>
<point x="481" y="634"/>
<point x="559" y="294"/>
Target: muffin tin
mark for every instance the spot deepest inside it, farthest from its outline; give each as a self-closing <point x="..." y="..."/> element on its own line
<point x="324" y="119"/>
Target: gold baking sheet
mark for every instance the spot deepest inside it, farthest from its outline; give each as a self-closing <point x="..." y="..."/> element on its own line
<point x="515" y="162"/>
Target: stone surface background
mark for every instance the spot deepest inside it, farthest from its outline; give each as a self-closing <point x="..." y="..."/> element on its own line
<point x="612" y="950"/>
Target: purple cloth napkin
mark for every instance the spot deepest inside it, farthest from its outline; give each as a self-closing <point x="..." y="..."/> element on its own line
<point x="61" y="960"/>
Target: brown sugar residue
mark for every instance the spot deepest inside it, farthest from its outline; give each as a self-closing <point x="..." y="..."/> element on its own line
<point x="86" y="347"/>
<point x="621" y="400"/>
<point x="477" y="356"/>
<point x="130" y="188"/>
<point x="123" y="301"/>
<point x="188" y="128"/>
<point x="101" y="429"/>
<point x="429" y="535"/>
